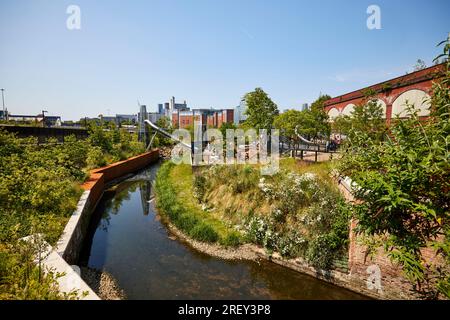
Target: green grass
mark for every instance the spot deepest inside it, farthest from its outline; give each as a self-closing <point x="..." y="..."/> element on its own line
<point x="174" y="199"/>
<point x="321" y="169"/>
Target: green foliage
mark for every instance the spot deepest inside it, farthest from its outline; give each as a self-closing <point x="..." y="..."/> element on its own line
<point x="320" y="125"/>
<point x="233" y="239"/>
<point x="164" y="123"/>
<point x="261" y="110"/>
<point x="224" y="127"/>
<point x="312" y="123"/>
<point x="199" y="187"/>
<point x="366" y="117"/>
<point x="302" y="212"/>
<point x="95" y="158"/>
<point x="204" y="232"/>
<point x="116" y="144"/>
<point x="38" y="193"/>
<point x="243" y="180"/>
<point x="172" y="202"/>
<point x="404" y="189"/>
<point x="288" y="121"/>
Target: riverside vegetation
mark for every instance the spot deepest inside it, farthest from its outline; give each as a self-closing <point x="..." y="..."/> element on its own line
<point x="297" y="212"/>
<point x="39" y="190"/>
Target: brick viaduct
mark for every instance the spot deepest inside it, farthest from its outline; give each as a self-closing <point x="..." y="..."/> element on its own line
<point x="392" y="95"/>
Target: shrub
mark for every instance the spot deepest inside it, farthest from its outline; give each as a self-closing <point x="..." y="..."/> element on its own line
<point x="199" y="187"/>
<point x="95" y="158"/>
<point x="204" y="232"/>
<point x="320" y="252"/>
<point x="186" y="221"/>
<point x="256" y="229"/>
<point x="233" y="239"/>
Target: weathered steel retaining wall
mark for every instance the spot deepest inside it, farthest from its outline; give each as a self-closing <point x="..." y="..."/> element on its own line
<point x="70" y="242"/>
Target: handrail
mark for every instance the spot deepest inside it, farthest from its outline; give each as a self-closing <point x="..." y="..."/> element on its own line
<point x="166" y="134"/>
<point x="303" y="139"/>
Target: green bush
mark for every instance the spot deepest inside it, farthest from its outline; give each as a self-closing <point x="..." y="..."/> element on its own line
<point x="199" y="186"/>
<point x="95" y="158"/>
<point x="320" y="252"/>
<point x="186" y="221"/>
<point x="204" y="232"/>
<point x="233" y="239"/>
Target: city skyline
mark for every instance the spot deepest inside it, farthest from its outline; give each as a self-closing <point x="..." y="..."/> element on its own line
<point x="210" y="54"/>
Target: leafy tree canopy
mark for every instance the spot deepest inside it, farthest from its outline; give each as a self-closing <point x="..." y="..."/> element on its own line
<point x="261" y="110"/>
<point x="311" y="123"/>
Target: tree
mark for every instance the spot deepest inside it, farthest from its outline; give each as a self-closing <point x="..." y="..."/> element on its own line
<point x="226" y="125"/>
<point x="164" y="123"/>
<point x="318" y="105"/>
<point x="288" y="121"/>
<point x="311" y="123"/>
<point x="366" y="118"/>
<point x="261" y="110"/>
<point x="320" y="117"/>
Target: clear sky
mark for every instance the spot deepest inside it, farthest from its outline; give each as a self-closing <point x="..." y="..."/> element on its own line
<point x="209" y="53"/>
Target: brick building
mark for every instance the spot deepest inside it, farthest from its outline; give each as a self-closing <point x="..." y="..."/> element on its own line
<point x="392" y="95"/>
<point x="206" y="117"/>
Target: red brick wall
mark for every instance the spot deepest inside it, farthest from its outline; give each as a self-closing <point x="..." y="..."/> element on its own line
<point x="421" y="80"/>
<point x="393" y="285"/>
<point x="230" y="115"/>
<point x="186" y="121"/>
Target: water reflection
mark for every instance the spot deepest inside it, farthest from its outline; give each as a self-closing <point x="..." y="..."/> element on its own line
<point x="126" y="239"/>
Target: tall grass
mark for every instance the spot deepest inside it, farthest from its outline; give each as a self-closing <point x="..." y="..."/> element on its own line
<point x="174" y="191"/>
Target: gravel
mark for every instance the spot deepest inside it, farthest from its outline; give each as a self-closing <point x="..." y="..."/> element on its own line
<point x="242" y="252"/>
<point x="103" y="284"/>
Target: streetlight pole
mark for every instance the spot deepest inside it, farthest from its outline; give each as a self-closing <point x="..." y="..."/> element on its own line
<point x="3" y="99"/>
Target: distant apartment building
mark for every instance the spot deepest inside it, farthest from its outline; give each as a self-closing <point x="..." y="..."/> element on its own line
<point x="161" y="108"/>
<point x="304" y="107"/>
<point x="24" y="118"/>
<point x="52" y="121"/>
<point x="181" y="116"/>
<point x="212" y="118"/>
<point x="154" y="116"/>
<point x="167" y="109"/>
<point x="240" y="112"/>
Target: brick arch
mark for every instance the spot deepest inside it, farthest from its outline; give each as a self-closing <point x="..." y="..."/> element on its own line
<point x="413" y="96"/>
<point x="383" y="104"/>
<point x="348" y="109"/>
<point x="333" y="113"/>
<point x="412" y="87"/>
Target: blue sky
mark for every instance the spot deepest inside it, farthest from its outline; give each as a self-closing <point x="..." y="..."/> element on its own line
<point x="208" y="52"/>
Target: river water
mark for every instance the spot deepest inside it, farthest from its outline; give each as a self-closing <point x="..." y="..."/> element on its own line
<point x="127" y="240"/>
